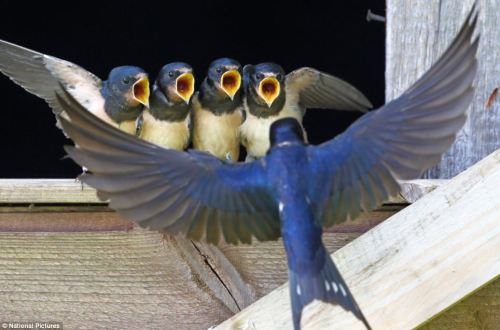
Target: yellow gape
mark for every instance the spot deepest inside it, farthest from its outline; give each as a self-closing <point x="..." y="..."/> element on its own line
<point x="230" y="82"/>
<point x="184" y="86"/>
<point x="269" y="89"/>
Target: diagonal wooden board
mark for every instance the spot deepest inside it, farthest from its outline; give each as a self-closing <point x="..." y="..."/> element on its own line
<point x="411" y="267"/>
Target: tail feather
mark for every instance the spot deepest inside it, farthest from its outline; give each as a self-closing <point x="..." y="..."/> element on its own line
<point x="327" y="285"/>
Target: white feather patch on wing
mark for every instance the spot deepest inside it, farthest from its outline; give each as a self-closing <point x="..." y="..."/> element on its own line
<point x="84" y="86"/>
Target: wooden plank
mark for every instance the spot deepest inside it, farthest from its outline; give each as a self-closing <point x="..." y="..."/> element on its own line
<point x="479" y="311"/>
<point x="133" y="279"/>
<point x="48" y="218"/>
<point x="60" y="191"/>
<point x="105" y="280"/>
<point x="62" y="222"/>
<point x="414" y="265"/>
<point x="39" y="240"/>
<point x="417" y="33"/>
<point x="69" y="191"/>
<point x="413" y="190"/>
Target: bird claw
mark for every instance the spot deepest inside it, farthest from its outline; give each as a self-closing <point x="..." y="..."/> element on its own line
<point x="250" y="159"/>
<point x="77" y="179"/>
<point x="229" y="158"/>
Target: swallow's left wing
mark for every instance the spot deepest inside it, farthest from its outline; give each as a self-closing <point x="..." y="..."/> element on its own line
<point x="43" y="75"/>
<point x="190" y="192"/>
<point x="321" y="90"/>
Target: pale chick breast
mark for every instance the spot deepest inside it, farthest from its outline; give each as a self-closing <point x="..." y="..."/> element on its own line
<point x="254" y="131"/>
<point x="218" y="135"/>
<point x="170" y="135"/>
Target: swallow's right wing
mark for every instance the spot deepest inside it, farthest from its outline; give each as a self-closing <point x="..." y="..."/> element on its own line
<point x="401" y="139"/>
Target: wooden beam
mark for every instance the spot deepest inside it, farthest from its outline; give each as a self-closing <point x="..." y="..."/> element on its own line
<point x="55" y="261"/>
<point x="69" y="191"/>
<point x="411" y="267"/>
<point x="480" y="310"/>
<point x="417" y="33"/>
<point x="45" y="191"/>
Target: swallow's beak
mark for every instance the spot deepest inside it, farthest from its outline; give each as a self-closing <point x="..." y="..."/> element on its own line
<point x="269" y="89"/>
<point x="141" y="91"/>
<point x="230" y="82"/>
<point x="184" y="86"/>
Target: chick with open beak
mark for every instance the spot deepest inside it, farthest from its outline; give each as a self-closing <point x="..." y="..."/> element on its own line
<point x="271" y="95"/>
<point x="218" y="110"/>
<point x="119" y="100"/>
<point x="167" y="120"/>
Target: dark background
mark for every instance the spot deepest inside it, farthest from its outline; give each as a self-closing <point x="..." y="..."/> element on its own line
<point x="332" y="36"/>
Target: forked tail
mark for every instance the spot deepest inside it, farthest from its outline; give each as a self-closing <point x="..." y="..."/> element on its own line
<point x="327" y="285"/>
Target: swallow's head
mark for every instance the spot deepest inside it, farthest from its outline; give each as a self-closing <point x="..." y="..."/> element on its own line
<point x="266" y="81"/>
<point x="176" y="81"/>
<point x="225" y="75"/>
<point x="286" y="131"/>
<point x="131" y="84"/>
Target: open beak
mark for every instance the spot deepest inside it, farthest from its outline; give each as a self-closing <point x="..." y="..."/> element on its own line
<point x="141" y="91"/>
<point x="184" y="86"/>
<point x="230" y="82"/>
<point x="269" y="89"/>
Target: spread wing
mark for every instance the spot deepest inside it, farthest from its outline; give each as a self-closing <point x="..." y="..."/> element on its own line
<point x="43" y="75"/>
<point x="321" y="90"/>
<point x="403" y="138"/>
<point x="190" y="192"/>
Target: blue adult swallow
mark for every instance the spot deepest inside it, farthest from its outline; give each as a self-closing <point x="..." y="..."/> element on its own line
<point x="119" y="100"/>
<point x="295" y="190"/>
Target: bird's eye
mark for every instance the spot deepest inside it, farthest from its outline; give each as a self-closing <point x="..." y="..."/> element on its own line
<point x="126" y="81"/>
<point x="218" y="70"/>
<point x="170" y="73"/>
<point x="259" y="76"/>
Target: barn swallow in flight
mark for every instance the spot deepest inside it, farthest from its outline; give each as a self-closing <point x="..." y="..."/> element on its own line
<point x="271" y="95"/>
<point x="218" y="111"/>
<point x="167" y="121"/>
<point x="207" y="198"/>
<point x="119" y="100"/>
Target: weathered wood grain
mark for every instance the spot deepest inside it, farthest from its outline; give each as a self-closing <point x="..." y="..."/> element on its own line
<point x="106" y="280"/>
<point x="106" y="275"/>
<point x="135" y="279"/>
<point x="411" y="267"/>
<point x="413" y="190"/>
<point x="479" y="311"/>
<point x="69" y="191"/>
<point x="60" y="191"/>
<point x="417" y="33"/>
<point x="61" y="221"/>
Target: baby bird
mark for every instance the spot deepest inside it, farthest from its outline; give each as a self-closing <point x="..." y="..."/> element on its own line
<point x="167" y="121"/>
<point x="118" y="101"/>
<point x="218" y="110"/>
<point x="271" y="95"/>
